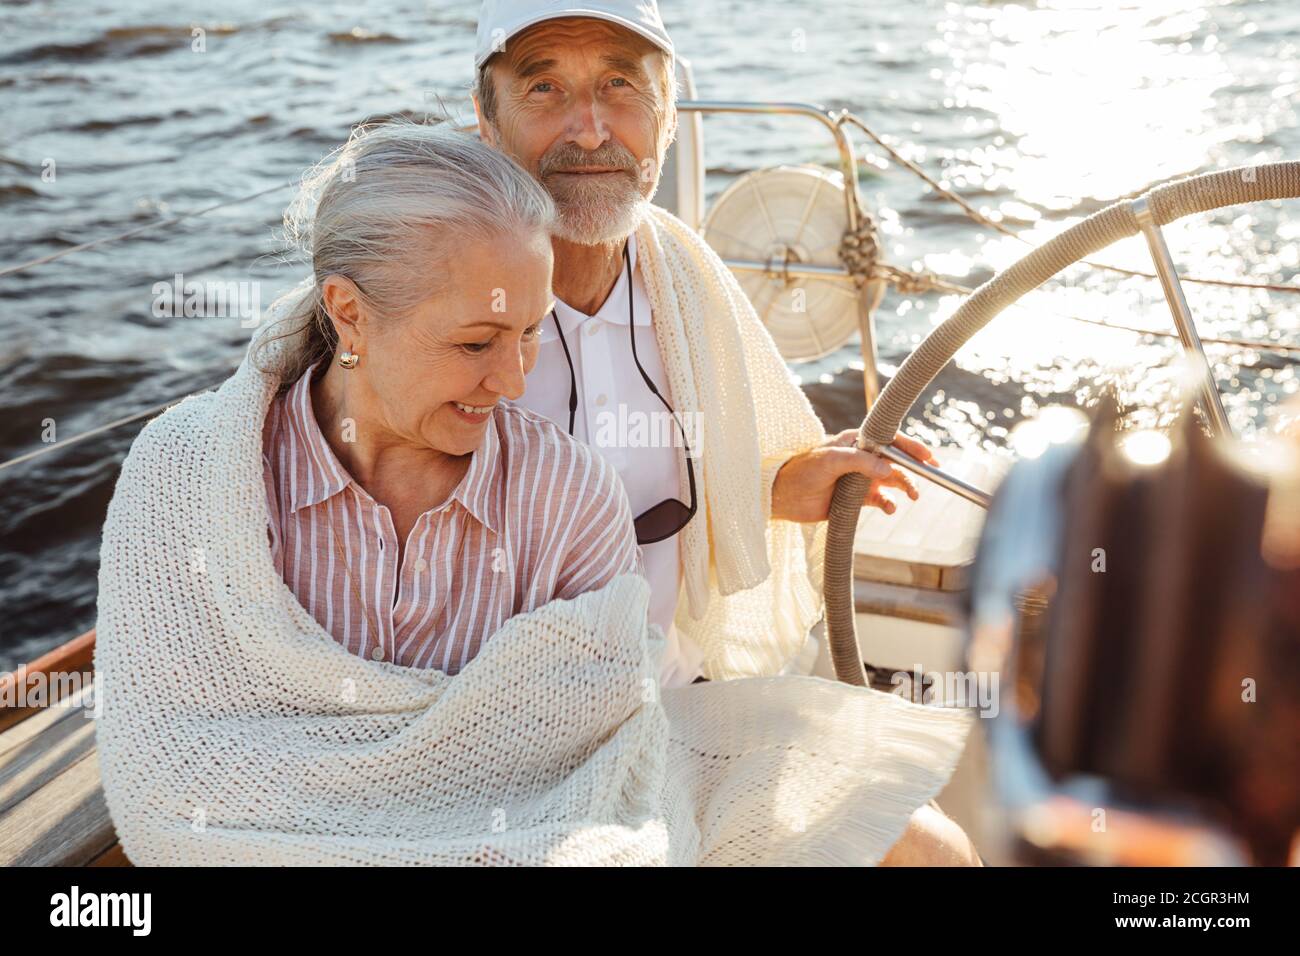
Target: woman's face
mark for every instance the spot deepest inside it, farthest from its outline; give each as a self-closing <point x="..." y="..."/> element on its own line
<point x="434" y="377"/>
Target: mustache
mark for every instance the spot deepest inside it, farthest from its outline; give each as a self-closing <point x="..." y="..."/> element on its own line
<point x="571" y="156"/>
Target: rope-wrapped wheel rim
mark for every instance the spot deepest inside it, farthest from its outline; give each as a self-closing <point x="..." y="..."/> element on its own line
<point x="1167" y="203"/>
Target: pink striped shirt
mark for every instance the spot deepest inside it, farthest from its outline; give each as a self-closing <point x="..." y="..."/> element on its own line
<point x="538" y="516"/>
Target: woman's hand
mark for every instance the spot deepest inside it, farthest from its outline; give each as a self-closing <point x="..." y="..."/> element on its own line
<point x="804" y="485"/>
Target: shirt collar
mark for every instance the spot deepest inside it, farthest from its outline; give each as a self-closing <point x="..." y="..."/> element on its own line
<point x="477" y="491"/>
<point x="613" y="310"/>
<point x="327" y="476"/>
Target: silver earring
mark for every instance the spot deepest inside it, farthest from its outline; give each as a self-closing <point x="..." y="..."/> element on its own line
<point x="349" y="359"/>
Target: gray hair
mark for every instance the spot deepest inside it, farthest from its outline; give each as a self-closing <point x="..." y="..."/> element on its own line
<point x="388" y="210"/>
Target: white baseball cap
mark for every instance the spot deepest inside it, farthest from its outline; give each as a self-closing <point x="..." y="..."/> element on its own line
<point x="499" y="20"/>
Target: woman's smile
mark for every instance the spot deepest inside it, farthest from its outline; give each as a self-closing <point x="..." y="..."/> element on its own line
<point x="475" y="414"/>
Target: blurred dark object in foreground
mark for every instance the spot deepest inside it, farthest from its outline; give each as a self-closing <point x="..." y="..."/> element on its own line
<point x="1154" y="652"/>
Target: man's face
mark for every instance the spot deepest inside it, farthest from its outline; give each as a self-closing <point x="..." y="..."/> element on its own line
<point x="580" y="106"/>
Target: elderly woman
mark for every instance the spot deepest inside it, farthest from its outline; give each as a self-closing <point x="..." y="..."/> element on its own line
<point x="412" y="508"/>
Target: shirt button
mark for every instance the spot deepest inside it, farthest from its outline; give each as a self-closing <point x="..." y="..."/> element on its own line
<point x="421" y="565"/>
<point x="377" y="654"/>
<point x="592" y="328"/>
<point x="601" y="399"/>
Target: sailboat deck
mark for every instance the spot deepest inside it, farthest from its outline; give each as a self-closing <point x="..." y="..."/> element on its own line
<point x="52" y="810"/>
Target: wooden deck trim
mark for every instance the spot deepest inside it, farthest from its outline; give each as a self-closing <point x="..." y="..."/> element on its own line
<point x="113" y="856"/>
<point x="76" y="656"/>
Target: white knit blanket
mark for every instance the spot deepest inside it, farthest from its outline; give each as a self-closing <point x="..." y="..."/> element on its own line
<point x="235" y="730"/>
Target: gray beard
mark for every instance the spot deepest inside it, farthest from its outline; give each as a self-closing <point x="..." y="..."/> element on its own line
<point x="591" y="225"/>
<point x="595" y="217"/>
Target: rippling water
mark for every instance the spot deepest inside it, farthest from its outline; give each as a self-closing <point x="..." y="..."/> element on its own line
<point x="1036" y="113"/>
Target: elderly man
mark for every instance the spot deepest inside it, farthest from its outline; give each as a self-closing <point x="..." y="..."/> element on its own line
<point x="586" y="104"/>
<point x="731" y="514"/>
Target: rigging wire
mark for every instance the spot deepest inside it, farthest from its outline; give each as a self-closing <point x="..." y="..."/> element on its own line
<point x="985" y="221"/>
<point x="156" y="224"/>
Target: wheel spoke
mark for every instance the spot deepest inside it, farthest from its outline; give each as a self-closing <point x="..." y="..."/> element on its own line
<point x="1211" y="403"/>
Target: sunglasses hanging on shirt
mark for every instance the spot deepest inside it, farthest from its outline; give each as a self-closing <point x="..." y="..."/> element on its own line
<point x="669" y="516"/>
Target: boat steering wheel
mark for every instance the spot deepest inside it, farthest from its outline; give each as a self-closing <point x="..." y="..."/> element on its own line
<point x="1154" y="208"/>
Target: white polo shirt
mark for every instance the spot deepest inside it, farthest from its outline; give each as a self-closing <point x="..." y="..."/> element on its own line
<point x="607" y="378"/>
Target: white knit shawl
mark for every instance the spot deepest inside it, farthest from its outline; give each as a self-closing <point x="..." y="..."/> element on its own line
<point x="236" y="730"/>
<point x="753" y="585"/>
